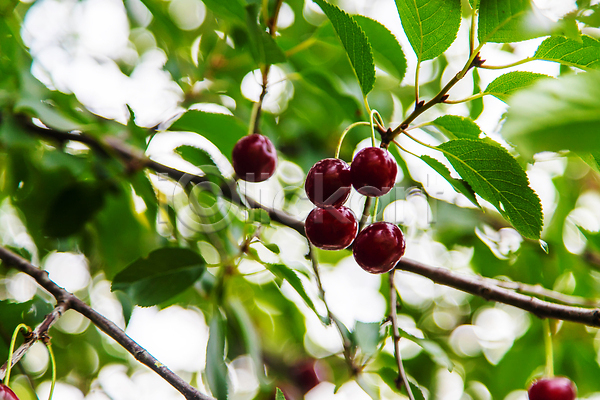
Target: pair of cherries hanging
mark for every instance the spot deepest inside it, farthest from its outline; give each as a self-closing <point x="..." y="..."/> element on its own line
<point x="332" y="226"/>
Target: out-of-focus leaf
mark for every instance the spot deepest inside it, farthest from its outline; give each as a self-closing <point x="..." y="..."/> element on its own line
<point x="355" y="42"/>
<point x="250" y="336"/>
<point x="367" y="336"/>
<point x="284" y="272"/>
<point x="584" y="54"/>
<point x="456" y="127"/>
<point x="216" y="369"/>
<point x="556" y="114"/>
<point x="458" y="184"/>
<point x="222" y="130"/>
<point x="233" y="9"/>
<point x="50" y="116"/>
<point x="263" y="46"/>
<point x="323" y="83"/>
<point x="505" y="85"/>
<point x="430" y="25"/>
<point x="273" y="247"/>
<point x="202" y="160"/>
<point x="73" y="208"/>
<point x="386" y="49"/>
<point x="497" y="177"/>
<point x="434" y="350"/>
<point x="416" y="390"/>
<point x="505" y="21"/>
<point x="161" y="275"/>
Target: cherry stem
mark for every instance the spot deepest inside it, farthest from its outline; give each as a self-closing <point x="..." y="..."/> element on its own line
<point x="396" y="336"/>
<point x="375" y="207"/>
<point x="343" y="135"/>
<point x="12" y="349"/>
<point x="548" y="345"/>
<point x="53" y="361"/>
<point x="372" y="121"/>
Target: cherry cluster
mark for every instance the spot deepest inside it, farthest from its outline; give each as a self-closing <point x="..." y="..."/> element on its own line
<point x="332" y="226"/>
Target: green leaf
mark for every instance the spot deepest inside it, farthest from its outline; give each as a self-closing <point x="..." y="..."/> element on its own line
<point x="416" y="390"/>
<point x="216" y="369"/>
<point x="430" y="25"/>
<point x="556" y="114"/>
<point x="434" y="350"/>
<point x="386" y="49"/>
<point x="497" y="177"/>
<point x="250" y="336"/>
<point x="231" y="9"/>
<point x="222" y="130"/>
<point x="279" y="395"/>
<point x="505" y="85"/>
<point x="201" y="159"/>
<point x="505" y="21"/>
<point x="458" y="184"/>
<point x="195" y="155"/>
<point x="164" y="273"/>
<point x="73" y="208"/>
<point x="456" y="127"/>
<point x="262" y="45"/>
<point x="50" y="116"/>
<point x="355" y="42"/>
<point x="324" y="84"/>
<point x="367" y="336"/>
<point x="584" y="54"/>
<point x="284" y="272"/>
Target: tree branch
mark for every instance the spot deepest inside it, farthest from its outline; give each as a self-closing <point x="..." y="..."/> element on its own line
<point x="483" y="287"/>
<point x="68" y="300"/>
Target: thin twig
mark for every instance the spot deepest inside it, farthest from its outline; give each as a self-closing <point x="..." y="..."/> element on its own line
<point x="38" y="333"/>
<point x="396" y="335"/>
<point x="338" y="324"/>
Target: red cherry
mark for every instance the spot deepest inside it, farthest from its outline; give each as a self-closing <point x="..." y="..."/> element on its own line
<point x="557" y="388"/>
<point x="6" y="393"/>
<point x="331" y="228"/>
<point x="254" y="158"/>
<point x="379" y="247"/>
<point x="373" y="171"/>
<point x="328" y="183"/>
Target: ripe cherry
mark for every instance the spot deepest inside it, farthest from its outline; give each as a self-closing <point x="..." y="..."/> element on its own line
<point x="373" y="171"/>
<point x="557" y="388"/>
<point x="331" y="228"/>
<point x="254" y="158"/>
<point x="6" y="393"/>
<point x="328" y="183"/>
<point x="379" y="247"/>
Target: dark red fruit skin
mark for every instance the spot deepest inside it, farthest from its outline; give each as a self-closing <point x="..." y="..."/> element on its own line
<point x="557" y="388"/>
<point x="378" y="247"/>
<point x="254" y="158"/>
<point x="6" y="393"/>
<point x="328" y="183"/>
<point x="373" y="171"/>
<point x="331" y="228"/>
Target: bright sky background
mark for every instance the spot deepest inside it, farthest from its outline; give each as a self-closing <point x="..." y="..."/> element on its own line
<point x="75" y="45"/>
